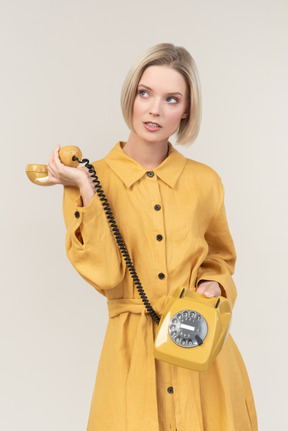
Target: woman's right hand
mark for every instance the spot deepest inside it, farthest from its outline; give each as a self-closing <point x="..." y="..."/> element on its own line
<point x="58" y="173"/>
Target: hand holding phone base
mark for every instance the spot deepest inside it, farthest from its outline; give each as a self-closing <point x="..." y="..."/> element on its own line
<point x="192" y="329"/>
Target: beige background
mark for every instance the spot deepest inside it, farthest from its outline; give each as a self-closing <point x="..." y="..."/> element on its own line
<point x="62" y="66"/>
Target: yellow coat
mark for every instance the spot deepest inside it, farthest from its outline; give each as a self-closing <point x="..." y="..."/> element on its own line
<point x="175" y="228"/>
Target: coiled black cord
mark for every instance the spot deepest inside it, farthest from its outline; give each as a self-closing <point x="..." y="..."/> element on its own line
<point x="118" y="237"/>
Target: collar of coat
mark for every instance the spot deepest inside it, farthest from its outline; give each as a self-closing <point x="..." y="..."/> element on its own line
<point x="130" y="171"/>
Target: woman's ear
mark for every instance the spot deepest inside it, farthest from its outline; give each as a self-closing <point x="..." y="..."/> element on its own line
<point x="185" y="115"/>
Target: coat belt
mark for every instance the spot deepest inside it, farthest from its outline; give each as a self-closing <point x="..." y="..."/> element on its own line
<point x="119" y="306"/>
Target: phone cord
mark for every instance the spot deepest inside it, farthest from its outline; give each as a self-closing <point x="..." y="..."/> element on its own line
<point x="119" y="238"/>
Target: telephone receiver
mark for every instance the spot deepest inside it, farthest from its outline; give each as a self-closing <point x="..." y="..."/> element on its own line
<point x="38" y="174"/>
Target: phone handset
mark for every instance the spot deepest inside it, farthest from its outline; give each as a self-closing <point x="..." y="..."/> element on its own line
<point x="38" y="174"/>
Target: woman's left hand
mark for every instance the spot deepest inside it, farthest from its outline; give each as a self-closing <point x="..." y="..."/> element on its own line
<point x="209" y="288"/>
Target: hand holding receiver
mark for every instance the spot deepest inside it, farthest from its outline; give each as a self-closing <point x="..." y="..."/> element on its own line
<point x="44" y="175"/>
<point x="61" y="169"/>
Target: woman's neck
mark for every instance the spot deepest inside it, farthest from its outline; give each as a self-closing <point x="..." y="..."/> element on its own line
<point x="147" y="154"/>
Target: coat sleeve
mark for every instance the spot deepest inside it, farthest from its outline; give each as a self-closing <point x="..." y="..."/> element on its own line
<point x="90" y="244"/>
<point x="219" y="262"/>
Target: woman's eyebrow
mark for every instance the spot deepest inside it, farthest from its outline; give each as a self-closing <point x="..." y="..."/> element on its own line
<point x="145" y="86"/>
<point x="171" y="93"/>
<point x="174" y="93"/>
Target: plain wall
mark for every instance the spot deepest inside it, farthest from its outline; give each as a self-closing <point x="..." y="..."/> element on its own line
<point x="62" y="66"/>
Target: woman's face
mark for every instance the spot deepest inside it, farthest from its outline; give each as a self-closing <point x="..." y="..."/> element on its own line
<point x="159" y="105"/>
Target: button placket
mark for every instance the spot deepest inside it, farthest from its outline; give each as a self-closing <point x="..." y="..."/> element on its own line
<point x="158" y="224"/>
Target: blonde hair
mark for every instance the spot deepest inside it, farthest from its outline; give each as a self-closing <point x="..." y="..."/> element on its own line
<point x="178" y="58"/>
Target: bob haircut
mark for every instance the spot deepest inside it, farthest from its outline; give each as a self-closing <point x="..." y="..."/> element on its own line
<point x="179" y="59"/>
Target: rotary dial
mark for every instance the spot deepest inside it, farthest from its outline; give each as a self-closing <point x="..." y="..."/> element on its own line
<point x="188" y="328"/>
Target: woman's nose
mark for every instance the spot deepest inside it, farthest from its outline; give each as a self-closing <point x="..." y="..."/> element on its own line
<point x="154" y="108"/>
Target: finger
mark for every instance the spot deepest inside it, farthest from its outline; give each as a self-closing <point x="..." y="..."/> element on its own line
<point x="212" y="292"/>
<point x="54" y="156"/>
<point x="54" y="162"/>
<point x="209" y="289"/>
<point x="209" y="293"/>
<point x="52" y="176"/>
<point x="203" y="286"/>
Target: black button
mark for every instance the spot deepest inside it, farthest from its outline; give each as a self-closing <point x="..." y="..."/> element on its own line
<point x="77" y="214"/>
<point x="161" y="275"/>
<point x="157" y="207"/>
<point x="150" y="174"/>
<point x="159" y="237"/>
<point x="170" y="390"/>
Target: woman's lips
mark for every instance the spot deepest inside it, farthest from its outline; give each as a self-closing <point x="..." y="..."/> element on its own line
<point x="152" y="127"/>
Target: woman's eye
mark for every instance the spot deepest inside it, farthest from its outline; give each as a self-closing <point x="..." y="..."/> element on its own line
<point x="172" y="99"/>
<point x="143" y="93"/>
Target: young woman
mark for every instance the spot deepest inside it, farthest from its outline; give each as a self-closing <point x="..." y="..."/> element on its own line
<point x="171" y="214"/>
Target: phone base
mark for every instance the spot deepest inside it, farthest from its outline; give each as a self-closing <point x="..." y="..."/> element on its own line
<point x="192" y="329"/>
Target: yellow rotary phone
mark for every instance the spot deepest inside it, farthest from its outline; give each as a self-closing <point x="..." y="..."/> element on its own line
<point x="192" y="328"/>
